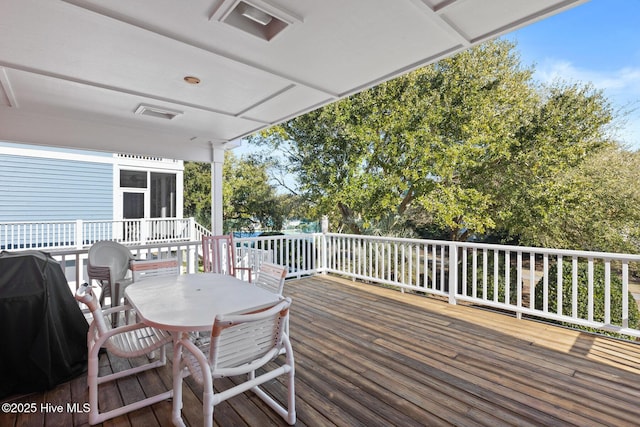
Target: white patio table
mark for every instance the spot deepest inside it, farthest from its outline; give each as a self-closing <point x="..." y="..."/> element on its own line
<point x="189" y="303"/>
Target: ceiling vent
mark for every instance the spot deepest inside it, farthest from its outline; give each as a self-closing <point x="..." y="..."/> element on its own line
<point x="157" y="112"/>
<point x="256" y="17"/>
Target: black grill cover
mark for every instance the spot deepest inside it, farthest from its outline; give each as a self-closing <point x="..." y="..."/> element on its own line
<point x="43" y="333"/>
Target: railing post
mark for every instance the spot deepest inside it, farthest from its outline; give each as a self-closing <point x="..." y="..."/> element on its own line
<point x="324" y="257"/>
<point x="453" y="272"/>
<point x="144" y="230"/>
<point x="192" y="229"/>
<point x="79" y="236"/>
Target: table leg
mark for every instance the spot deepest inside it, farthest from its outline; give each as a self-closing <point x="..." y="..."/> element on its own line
<point x="177" y="381"/>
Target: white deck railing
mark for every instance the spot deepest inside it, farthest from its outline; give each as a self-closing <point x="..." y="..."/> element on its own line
<point x="299" y="252"/>
<point x="79" y="234"/>
<point x="189" y="255"/>
<point x="540" y="282"/>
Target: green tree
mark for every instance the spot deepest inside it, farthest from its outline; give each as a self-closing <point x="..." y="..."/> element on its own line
<point x="568" y="128"/>
<point x="428" y="139"/>
<point x="248" y="198"/>
<point x="597" y="205"/>
<point x="197" y="192"/>
<point x="471" y="145"/>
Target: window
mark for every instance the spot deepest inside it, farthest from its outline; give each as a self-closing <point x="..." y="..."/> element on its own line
<point x="163" y="195"/>
<point x="133" y="179"/>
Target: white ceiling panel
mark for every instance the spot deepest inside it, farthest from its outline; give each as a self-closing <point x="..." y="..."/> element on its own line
<point x="478" y="22"/>
<point x="294" y="101"/>
<point x="71" y="99"/>
<point x="72" y="72"/>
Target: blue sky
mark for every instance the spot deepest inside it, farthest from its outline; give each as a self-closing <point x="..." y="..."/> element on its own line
<point x="597" y="42"/>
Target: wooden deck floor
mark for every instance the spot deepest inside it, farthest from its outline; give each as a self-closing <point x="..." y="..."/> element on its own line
<point x="369" y="356"/>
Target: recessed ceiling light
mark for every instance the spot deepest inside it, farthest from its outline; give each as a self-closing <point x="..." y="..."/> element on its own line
<point x="192" y="80"/>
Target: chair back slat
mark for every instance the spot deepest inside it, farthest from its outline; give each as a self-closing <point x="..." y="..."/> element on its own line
<point x="245" y="342"/>
<point x="144" y="269"/>
<point x="271" y="277"/>
<point x="247" y="339"/>
<point x="218" y="254"/>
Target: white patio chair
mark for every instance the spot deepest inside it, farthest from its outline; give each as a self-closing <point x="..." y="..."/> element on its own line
<point x="240" y="344"/>
<point x="219" y="256"/>
<point x="108" y="263"/>
<point x="127" y="341"/>
<point x="271" y="277"/>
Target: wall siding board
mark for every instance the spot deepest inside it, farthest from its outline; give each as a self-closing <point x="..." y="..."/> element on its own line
<point x="42" y="189"/>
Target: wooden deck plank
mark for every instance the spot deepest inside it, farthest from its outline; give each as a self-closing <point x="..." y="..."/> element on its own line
<point x="131" y="391"/>
<point x="152" y="384"/>
<point x="368" y="355"/>
<point x="446" y="402"/>
<point x="359" y="369"/>
<point x="29" y="418"/>
<point x="57" y="400"/>
<point x="191" y="402"/>
<point x="395" y="409"/>
<point x="109" y="397"/>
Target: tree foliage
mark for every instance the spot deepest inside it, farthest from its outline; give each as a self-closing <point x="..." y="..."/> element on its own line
<point x="248" y="198"/>
<point x="596" y="205"/>
<point x="567" y="128"/>
<point x="471" y="145"/>
<point x="197" y="192"/>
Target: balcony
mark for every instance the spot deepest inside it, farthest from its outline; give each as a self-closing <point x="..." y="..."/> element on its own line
<point x="409" y="347"/>
<point x="370" y="355"/>
<point x="414" y="332"/>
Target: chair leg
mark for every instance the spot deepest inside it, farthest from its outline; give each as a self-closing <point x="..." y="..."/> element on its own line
<point x="207" y="408"/>
<point x="291" y="398"/>
<point x="283" y="350"/>
<point x="115" y="301"/>
<point x="92" y="382"/>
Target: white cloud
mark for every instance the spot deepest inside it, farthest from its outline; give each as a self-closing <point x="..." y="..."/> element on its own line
<point x="624" y="80"/>
<point x="621" y="86"/>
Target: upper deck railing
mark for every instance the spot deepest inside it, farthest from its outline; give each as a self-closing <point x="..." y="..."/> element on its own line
<point x="80" y="234"/>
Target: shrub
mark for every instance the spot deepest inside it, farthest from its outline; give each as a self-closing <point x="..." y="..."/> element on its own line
<point x="582" y="291"/>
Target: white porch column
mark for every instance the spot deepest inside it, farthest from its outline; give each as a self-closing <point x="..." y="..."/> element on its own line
<point x="216" y="191"/>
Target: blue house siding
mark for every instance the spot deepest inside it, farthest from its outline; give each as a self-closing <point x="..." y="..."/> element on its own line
<point x="51" y="189"/>
<point x="44" y="190"/>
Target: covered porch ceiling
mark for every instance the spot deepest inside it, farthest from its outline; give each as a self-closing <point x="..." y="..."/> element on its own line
<point x="110" y="76"/>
